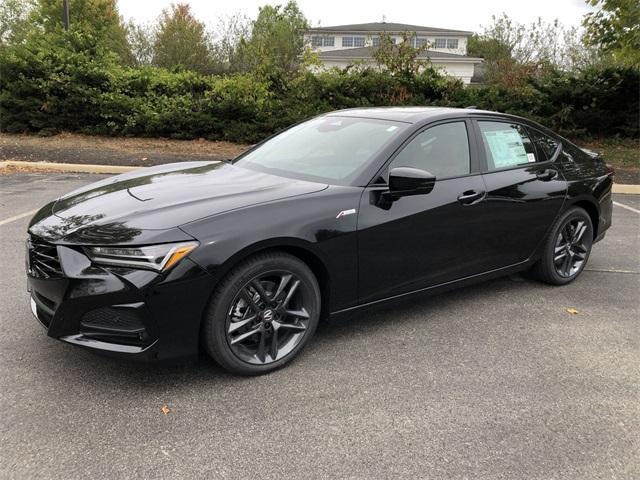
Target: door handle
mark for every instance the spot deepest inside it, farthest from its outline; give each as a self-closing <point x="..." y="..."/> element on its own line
<point x="547" y="174"/>
<point x="470" y="197"/>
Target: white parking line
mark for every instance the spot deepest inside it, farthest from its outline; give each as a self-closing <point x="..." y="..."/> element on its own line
<point x="610" y="270"/>
<point x="626" y="207"/>
<point x="17" y="217"/>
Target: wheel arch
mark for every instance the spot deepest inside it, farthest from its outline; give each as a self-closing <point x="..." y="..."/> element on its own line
<point x="591" y="207"/>
<point x="303" y="250"/>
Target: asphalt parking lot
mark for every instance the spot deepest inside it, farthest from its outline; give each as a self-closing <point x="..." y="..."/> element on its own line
<point x="492" y="381"/>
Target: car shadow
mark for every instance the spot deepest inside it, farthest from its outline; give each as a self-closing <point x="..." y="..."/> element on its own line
<point x="369" y="320"/>
<point x="157" y="377"/>
<point x="420" y="304"/>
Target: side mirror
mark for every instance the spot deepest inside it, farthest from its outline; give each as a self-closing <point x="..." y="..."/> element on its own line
<point x="405" y="181"/>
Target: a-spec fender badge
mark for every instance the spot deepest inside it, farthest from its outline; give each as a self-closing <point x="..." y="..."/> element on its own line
<point x="344" y="213"/>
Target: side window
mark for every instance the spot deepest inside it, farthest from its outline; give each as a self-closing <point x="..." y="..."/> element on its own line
<point x="442" y="150"/>
<point x="546" y="145"/>
<point x="506" y="145"/>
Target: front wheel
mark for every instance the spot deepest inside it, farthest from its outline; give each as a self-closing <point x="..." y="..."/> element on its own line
<point x="262" y="314"/>
<point x="566" y="249"/>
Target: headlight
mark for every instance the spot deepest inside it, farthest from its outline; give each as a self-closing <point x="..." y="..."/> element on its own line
<point x="155" y="257"/>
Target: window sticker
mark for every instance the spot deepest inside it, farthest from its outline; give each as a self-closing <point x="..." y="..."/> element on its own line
<point x="531" y="157"/>
<point x="506" y="148"/>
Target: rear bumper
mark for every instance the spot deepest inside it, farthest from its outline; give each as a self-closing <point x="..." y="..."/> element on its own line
<point x="600" y="236"/>
<point x="606" y="211"/>
<point x="134" y="314"/>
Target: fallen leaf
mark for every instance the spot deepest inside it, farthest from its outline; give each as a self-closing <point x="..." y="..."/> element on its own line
<point x="145" y="158"/>
<point x="572" y="311"/>
<point x="165" y="410"/>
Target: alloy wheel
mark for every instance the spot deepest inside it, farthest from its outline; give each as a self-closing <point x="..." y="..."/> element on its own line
<point x="571" y="248"/>
<point x="268" y="317"/>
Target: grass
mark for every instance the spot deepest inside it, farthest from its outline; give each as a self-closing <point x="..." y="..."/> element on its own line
<point x="134" y="145"/>
<point x="620" y="153"/>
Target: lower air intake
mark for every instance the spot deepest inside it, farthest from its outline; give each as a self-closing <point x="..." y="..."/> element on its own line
<point x="116" y="325"/>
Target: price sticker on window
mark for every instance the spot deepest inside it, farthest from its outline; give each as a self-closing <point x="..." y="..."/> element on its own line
<point x="507" y="148"/>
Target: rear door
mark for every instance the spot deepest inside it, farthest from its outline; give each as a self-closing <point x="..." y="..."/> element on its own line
<point x="525" y="189"/>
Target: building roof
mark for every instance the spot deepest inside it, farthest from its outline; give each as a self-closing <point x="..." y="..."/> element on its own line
<point x="388" y="27"/>
<point x="363" y="53"/>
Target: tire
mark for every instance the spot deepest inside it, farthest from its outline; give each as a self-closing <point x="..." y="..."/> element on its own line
<point x="564" y="245"/>
<point x="254" y="304"/>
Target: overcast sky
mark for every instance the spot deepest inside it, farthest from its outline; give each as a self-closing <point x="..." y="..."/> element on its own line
<point x="456" y="14"/>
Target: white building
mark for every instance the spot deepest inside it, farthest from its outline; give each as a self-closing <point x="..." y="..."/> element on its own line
<point x="345" y="45"/>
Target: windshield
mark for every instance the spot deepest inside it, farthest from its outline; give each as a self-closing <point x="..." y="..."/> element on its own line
<point x="328" y="149"/>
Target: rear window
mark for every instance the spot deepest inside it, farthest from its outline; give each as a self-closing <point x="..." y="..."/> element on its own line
<point x="506" y="145"/>
<point x="547" y="146"/>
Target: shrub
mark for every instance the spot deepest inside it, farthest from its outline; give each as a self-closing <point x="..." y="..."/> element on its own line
<point x="590" y="103"/>
<point x="66" y="83"/>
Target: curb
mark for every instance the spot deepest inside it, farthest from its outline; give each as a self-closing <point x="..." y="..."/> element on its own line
<point x="624" y="188"/>
<point x="87" y="168"/>
<point x="67" y="167"/>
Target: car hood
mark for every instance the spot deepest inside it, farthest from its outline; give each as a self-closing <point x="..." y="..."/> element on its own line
<point x="159" y="198"/>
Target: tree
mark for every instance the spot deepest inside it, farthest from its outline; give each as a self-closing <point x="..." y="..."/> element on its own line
<point x="276" y="43"/>
<point x="181" y="41"/>
<point x="615" y="27"/>
<point x="13" y="19"/>
<point x="141" y="39"/>
<point x="99" y="19"/>
<point x="579" y="55"/>
<point x="401" y="58"/>
<point x="513" y="52"/>
<point x="227" y="35"/>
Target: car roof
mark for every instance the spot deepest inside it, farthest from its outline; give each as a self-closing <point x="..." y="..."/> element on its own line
<point x="405" y="114"/>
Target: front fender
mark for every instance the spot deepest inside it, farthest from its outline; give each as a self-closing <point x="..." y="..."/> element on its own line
<point x="309" y="223"/>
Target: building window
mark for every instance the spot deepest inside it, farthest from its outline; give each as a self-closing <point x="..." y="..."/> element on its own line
<point x="452" y="43"/>
<point x="320" y="41"/>
<point x="441" y="43"/>
<point x="375" y="41"/>
<point x="353" y="41"/>
<point x="418" y="42"/>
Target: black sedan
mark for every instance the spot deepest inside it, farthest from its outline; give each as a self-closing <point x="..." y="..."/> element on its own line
<point x="349" y="209"/>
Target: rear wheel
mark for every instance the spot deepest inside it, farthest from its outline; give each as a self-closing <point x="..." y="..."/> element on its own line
<point x="262" y="314"/>
<point x="566" y="249"/>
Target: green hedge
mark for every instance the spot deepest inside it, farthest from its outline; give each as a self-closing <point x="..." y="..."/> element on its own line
<point x="47" y="87"/>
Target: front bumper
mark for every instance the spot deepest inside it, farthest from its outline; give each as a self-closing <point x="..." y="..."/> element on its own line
<point x="132" y="313"/>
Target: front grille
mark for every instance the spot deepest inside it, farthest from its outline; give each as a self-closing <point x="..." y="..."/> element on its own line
<point x="43" y="259"/>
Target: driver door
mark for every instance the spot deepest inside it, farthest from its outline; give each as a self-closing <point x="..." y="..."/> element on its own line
<point x="418" y="241"/>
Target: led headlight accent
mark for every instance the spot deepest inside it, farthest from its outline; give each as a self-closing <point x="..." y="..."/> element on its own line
<point x="157" y="257"/>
